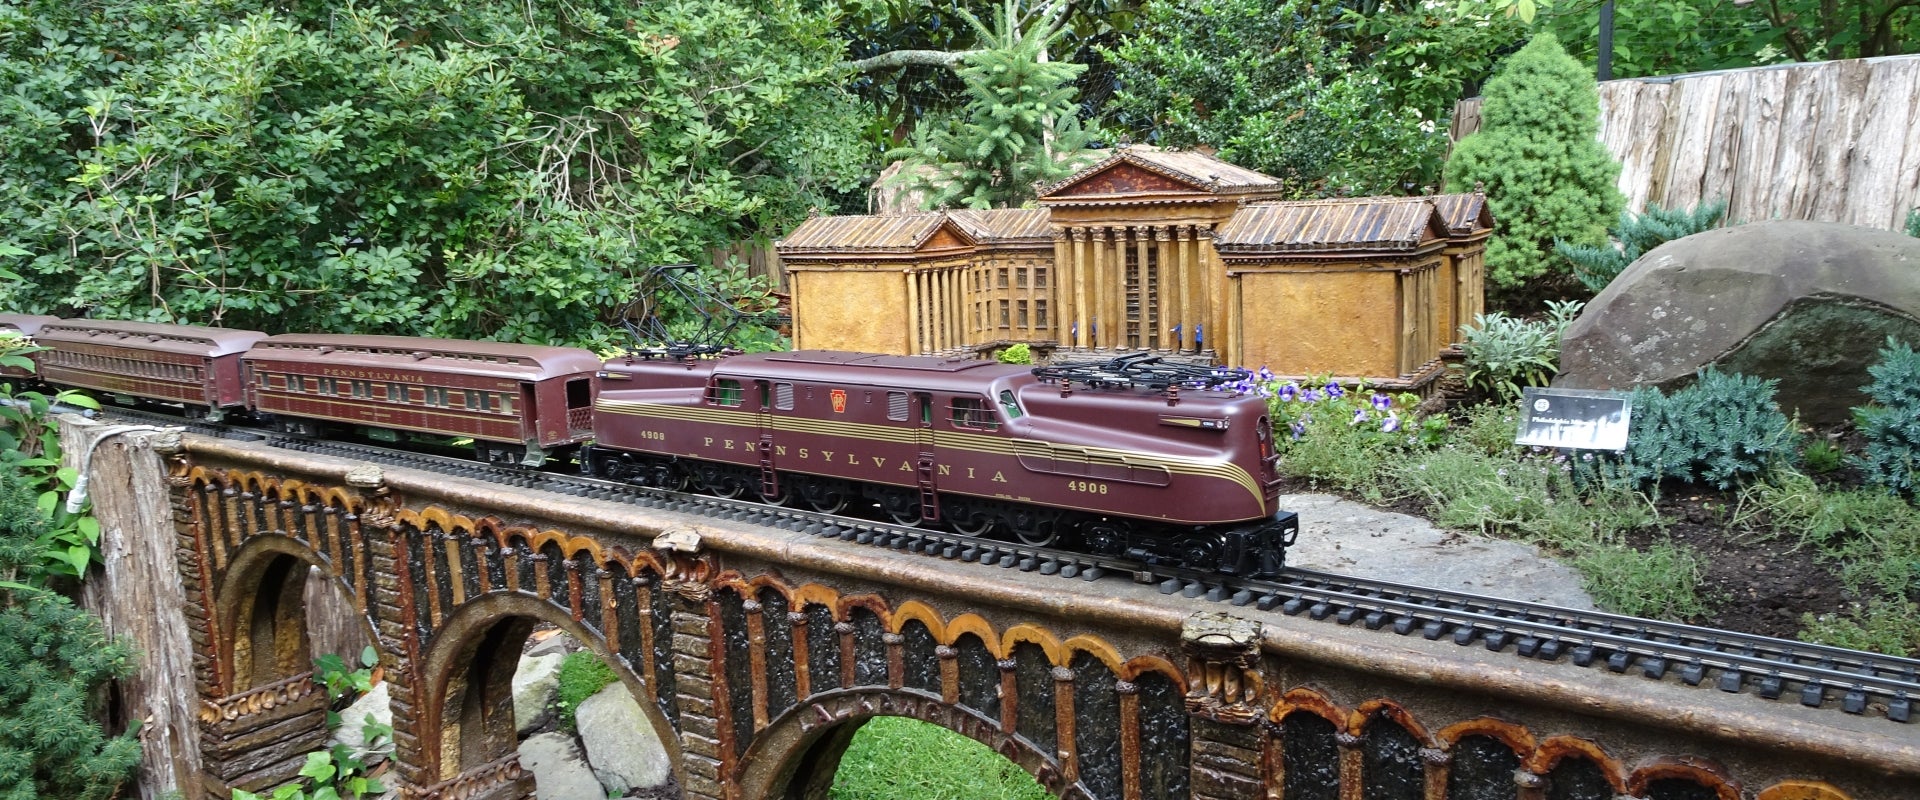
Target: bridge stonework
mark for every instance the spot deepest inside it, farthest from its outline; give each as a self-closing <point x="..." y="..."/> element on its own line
<point x="757" y="652"/>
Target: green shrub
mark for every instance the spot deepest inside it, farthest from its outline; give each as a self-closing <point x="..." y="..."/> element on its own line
<point x="1634" y="235"/>
<point x="1913" y="222"/>
<point x="1528" y="496"/>
<point x="1891" y="424"/>
<point x="1881" y="626"/>
<point x="1821" y="456"/>
<point x="1018" y="353"/>
<point x="582" y="675"/>
<point x="1503" y="352"/>
<point x="1539" y="157"/>
<point x="1722" y="430"/>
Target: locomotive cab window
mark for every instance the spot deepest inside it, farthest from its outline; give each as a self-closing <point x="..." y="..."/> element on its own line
<point x="1012" y="407"/>
<point x="972" y="412"/>
<point x="726" y="392"/>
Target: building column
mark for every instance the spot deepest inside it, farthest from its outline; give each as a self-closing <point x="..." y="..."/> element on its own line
<point x="914" y="341"/>
<point x="1216" y="294"/>
<point x="1102" y="283"/>
<point x="1077" y="329"/>
<point x="1190" y="287"/>
<point x="1148" y="289"/>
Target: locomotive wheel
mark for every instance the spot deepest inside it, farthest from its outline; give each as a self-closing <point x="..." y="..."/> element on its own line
<point x="823" y="499"/>
<point x="977" y="523"/>
<point x="1104" y="538"/>
<point x="908" y="515"/>
<point x="722" y="485"/>
<point x="778" y="498"/>
<point x="1201" y="552"/>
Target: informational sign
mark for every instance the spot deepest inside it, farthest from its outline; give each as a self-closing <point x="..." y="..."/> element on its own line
<point x="1574" y="419"/>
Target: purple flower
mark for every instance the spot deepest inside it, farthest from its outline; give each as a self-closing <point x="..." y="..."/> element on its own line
<point x="1390" y="424"/>
<point x="1299" y="429"/>
<point x="1264" y="375"/>
<point x="1312" y="396"/>
<point x="1359" y="416"/>
<point x="1287" y="391"/>
<point x="1381" y="402"/>
<point x="1334" y="390"/>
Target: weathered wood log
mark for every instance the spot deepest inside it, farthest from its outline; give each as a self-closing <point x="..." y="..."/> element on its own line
<point x="138" y="594"/>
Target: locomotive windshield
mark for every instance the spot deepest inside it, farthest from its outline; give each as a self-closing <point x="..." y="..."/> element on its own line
<point x="1012" y="406"/>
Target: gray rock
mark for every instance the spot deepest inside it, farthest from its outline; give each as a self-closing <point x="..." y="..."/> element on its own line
<point x="1351" y="538"/>
<point x="621" y="744"/>
<point x="559" y="772"/>
<point x="535" y="681"/>
<point x="559" y="642"/>
<point x="353" y="722"/>
<point x="1807" y="303"/>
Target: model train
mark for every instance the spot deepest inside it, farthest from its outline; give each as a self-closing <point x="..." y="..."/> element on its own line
<point x="1116" y="460"/>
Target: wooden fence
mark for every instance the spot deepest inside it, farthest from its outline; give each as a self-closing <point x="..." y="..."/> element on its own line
<point x="1835" y="141"/>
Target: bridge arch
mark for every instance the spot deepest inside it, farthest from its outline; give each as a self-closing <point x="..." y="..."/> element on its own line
<point x="261" y="600"/>
<point x="467" y="672"/>
<point x="797" y="755"/>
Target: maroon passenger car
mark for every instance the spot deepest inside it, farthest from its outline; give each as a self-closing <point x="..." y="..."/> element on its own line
<point x="975" y="444"/>
<point x="517" y="402"/>
<point x="194" y="366"/>
<point x="26" y="325"/>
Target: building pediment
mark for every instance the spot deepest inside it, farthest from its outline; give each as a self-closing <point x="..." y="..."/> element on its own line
<point x="1146" y="173"/>
<point x="906" y="235"/>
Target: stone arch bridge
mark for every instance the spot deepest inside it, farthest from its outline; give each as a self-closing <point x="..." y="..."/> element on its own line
<point x="758" y="652"/>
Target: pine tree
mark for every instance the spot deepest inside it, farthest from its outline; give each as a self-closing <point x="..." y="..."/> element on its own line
<point x="1019" y="127"/>
<point x="1538" y="154"/>
<point x="52" y="656"/>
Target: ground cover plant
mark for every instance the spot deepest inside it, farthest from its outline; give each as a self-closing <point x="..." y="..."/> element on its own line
<point x="1709" y="517"/>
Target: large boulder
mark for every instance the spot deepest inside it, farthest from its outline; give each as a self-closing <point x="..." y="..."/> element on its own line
<point x="621" y="744"/>
<point x="535" y="683"/>
<point x="1807" y="303"/>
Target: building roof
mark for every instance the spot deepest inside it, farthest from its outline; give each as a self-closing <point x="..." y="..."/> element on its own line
<point x="1004" y="225"/>
<point x="1381" y="224"/>
<point x="886" y="233"/>
<point x="1198" y="170"/>
<point x="1464" y="213"/>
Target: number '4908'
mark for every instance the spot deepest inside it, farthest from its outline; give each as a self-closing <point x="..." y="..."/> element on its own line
<point x="1089" y="487"/>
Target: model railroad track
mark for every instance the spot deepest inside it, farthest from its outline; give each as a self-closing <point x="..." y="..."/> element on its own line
<point x="1814" y="675"/>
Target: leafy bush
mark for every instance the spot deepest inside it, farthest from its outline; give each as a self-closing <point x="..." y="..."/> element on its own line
<point x="1532" y="496"/>
<point x="1539" y="157"/>
<point x="1913" y="222"/>
<point x="1018" y="353"/>
<point x="1722" y="430"/>
<point x="1891" y="424"/>
<point x="582" y="675"/>
<point x="1635" y="234"/>
<point x="1503" y="352"/>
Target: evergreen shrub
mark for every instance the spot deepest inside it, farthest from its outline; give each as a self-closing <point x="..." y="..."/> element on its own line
<point x="1722" y="430"/>
<point x="1891" y="424"/>
<point x="1635" y="234"/>
<point x="1539" y="158"/>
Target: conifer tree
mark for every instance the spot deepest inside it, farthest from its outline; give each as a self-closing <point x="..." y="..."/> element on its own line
<point x="1538" y="154"/>
<point x="52" y="656"/>
<point x="1019" y="127"/>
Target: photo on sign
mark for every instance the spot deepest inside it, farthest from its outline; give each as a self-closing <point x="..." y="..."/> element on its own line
<point x="1574" y="419"/>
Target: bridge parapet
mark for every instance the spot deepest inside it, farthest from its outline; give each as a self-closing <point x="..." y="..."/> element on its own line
<point x="757" y="652"/>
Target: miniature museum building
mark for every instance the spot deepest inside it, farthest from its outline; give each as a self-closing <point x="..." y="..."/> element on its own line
<point x="1168" y="251"/>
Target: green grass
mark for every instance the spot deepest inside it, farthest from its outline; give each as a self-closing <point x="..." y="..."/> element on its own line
<point x="582" y="675"/>
<point x="895" y="758"/>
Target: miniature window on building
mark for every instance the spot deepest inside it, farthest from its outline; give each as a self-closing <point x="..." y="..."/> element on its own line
<point x="726" y="392"/>
<point x="972" y="412"/>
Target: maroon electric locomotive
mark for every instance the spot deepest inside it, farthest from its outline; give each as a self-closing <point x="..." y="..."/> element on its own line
<point x="1156" y="474"/>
